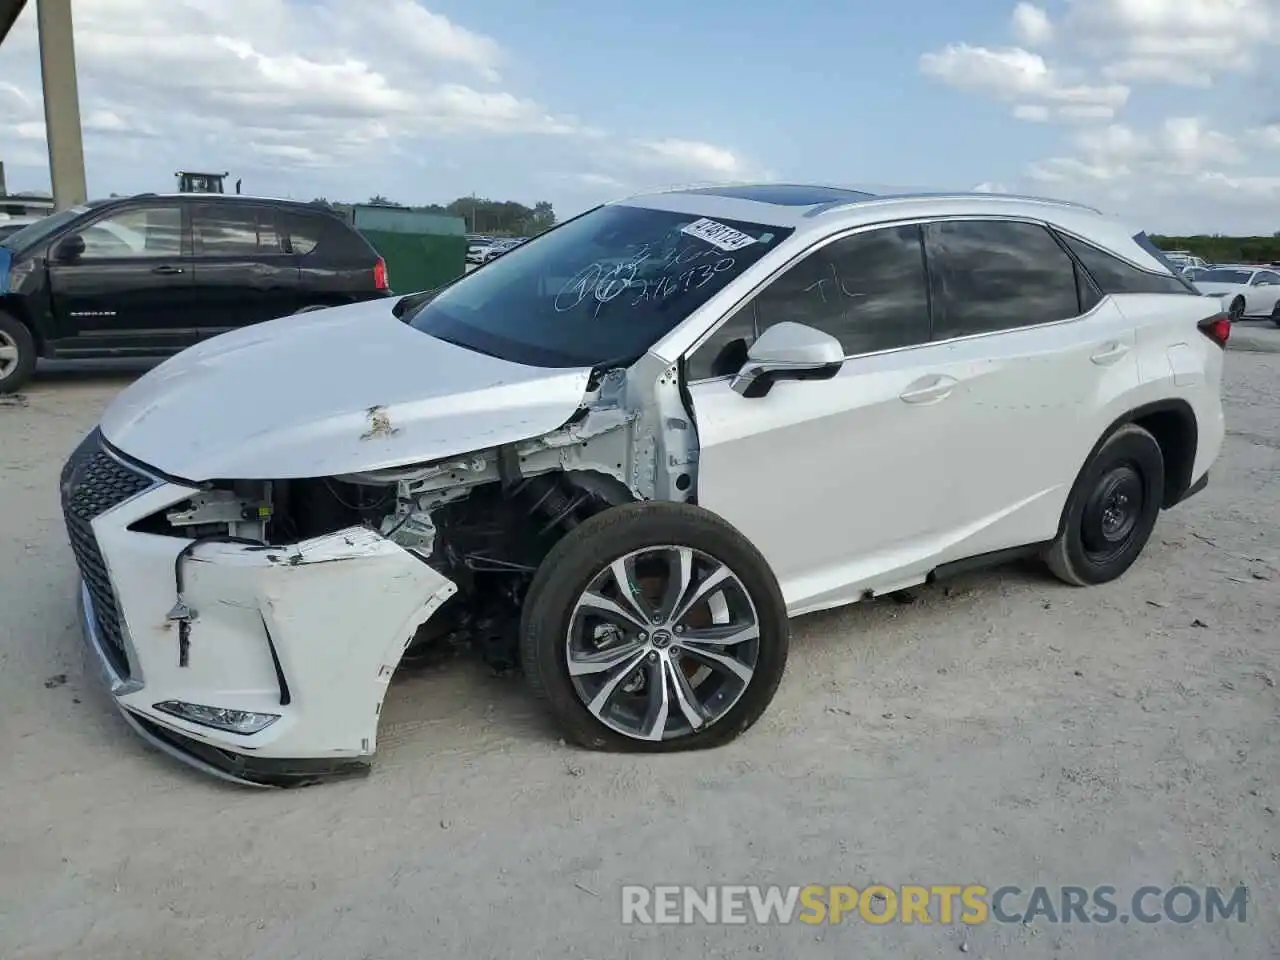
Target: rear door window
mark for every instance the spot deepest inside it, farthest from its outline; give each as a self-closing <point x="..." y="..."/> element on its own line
<point x="989" y="275"/>
<point x="234" y="230"/>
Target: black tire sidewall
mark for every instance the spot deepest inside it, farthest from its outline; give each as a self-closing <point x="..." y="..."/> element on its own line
<point x="583" y="553"/>
<point x="1128" y="443"/>
<point x="21" y="335"/>
<point x="1231" y="309"/>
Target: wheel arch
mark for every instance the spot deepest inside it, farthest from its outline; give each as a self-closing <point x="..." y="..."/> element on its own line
<point x="1173" y="424"/>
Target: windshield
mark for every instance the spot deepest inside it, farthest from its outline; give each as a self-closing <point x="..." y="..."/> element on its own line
<point x="33" y="233"/>
<point x="599" y="290"/>
<point x="1224" y="276"/>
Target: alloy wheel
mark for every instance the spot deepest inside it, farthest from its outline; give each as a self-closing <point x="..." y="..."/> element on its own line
<point x="8" y="355"/>
<point x="662" y="642"/>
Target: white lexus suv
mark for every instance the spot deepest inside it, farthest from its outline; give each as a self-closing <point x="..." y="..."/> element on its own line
<point x="622" y="455"/>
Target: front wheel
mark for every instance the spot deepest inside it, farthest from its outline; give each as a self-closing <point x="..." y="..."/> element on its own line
<point x="1111" y="511"/>
<point x="17" y="354"/>
<point x="1236" y="310"/>
<point x="1275" y="314"/>
<point x="654" y="627"/>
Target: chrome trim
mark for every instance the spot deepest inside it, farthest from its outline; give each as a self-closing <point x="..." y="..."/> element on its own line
<point x="883" y="225"/>
<point x="185" y="758"/>
<point x="117" y="685"/>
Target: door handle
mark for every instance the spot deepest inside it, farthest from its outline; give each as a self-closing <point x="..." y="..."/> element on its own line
<point x="928" y="390"/>
<point x="1109" y="353"/>
<point x="166" y="268"/>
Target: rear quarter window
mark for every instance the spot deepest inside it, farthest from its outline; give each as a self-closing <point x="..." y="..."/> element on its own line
<point x="313" y="234"/>
<point x="1113" y="275"/>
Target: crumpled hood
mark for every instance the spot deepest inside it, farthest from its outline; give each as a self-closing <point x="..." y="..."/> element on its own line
<point x="329" y="392"/>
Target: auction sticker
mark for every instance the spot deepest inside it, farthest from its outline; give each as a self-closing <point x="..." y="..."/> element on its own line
<point x="718" y="235"/>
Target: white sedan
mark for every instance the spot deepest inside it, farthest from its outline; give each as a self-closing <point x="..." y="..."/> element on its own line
<point x="623" y="455"/>
<point x="1246" y="291"/>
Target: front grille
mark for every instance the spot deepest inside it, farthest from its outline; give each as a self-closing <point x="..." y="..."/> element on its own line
<point x="92" y="483"/>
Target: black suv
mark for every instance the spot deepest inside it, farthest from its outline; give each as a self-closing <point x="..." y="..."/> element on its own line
<point x="147" y="276"/>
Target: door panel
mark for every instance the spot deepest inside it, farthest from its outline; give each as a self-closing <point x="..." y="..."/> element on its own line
<point x="1028" y="408"/>
<point x="127" y="293"/>
<point x="242" y="273"/>
<point x="833" y="480"/>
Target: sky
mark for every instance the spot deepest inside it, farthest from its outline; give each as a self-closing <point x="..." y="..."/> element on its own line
<point x="1160" y="111"/>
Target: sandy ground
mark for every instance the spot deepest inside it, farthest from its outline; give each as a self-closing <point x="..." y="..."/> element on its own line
<point x="1002" y="729"/>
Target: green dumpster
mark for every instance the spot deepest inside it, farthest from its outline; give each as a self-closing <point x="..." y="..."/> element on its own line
<point x="422" y="250"/>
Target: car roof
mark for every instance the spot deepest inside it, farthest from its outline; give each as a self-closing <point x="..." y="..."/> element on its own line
<point x="819" y="210"/>
<point x="801" y="206"/>
<point x="228" y="197"/>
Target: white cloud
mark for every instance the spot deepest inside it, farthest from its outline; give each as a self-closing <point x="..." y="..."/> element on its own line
<point x="1174" y="41"/>
<point x="1268" y="136"/>
<point x="1013" y="73"/>
<point x="1180" y="147"/>
<point x="1032" y="112"/>
<point x="691" y="155"/>
<point x="1031" y="25"/>
<point x="324" y="87"/>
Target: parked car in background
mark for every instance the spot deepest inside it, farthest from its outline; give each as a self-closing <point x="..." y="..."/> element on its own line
<point x="1246" y="290"/>
<point x="150" y="275"/>
<point x="476" y="249"/>
<point x="498" y="247"/>
<point x="623" y="455"/>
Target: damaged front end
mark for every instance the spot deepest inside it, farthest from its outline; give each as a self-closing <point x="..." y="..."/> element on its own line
<point x="251" y="627"/>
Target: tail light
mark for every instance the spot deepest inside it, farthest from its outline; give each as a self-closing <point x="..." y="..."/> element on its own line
<point x="1217" y="328"/>
<point x="380" y="280"/>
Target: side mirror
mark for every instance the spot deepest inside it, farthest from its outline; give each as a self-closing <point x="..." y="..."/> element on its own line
<point x="69" y="248"/>
<point x="788" y="351"/>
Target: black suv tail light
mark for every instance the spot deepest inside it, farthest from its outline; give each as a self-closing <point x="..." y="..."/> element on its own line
<point x="380" y="281"/>
<point x="1217" y="328"/>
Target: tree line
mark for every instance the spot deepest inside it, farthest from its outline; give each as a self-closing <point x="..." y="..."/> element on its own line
<point x="482" y="215"/>
<point x="1216" y="249"/>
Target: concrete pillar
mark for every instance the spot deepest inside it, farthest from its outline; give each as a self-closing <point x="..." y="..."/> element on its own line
<point x="61" y="103"/>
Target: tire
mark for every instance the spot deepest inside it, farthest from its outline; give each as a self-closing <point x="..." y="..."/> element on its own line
<point x="1235" y="311"/>
<point x="1093" y="546"/>
<point x="17" y="354"/>
<point x="715" y="690"/>
<point x="1275" y="314"/>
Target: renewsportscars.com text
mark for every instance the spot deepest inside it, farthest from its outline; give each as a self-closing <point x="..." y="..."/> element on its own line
<point x="969" y="904"/>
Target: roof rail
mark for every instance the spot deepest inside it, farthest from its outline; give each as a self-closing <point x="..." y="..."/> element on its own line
<point x="965" y="195"/>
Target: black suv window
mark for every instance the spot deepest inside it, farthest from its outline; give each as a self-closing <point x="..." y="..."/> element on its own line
<point x="867" y="290"/>
<point x="233" y="229"/>
<point x="137" y="232"/>
<point x="304" y="232"/>
<point x="1113" y="275"/>
<point x="989" y="275"/>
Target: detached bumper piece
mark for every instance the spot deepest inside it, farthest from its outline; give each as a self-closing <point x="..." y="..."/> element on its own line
<point x="252" y="771"/>
<point x="276" y="672"/>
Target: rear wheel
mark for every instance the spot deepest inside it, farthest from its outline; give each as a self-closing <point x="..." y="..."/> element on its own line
<point x="1111" y="511"/>
<point x="654" y="627"/>
<point x="17" y="354"/>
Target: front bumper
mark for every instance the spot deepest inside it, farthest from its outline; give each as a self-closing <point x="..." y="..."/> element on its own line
<point x="311" y="632"/>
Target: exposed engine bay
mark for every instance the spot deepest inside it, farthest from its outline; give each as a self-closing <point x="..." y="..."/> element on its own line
<point x="485" y="520"/>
